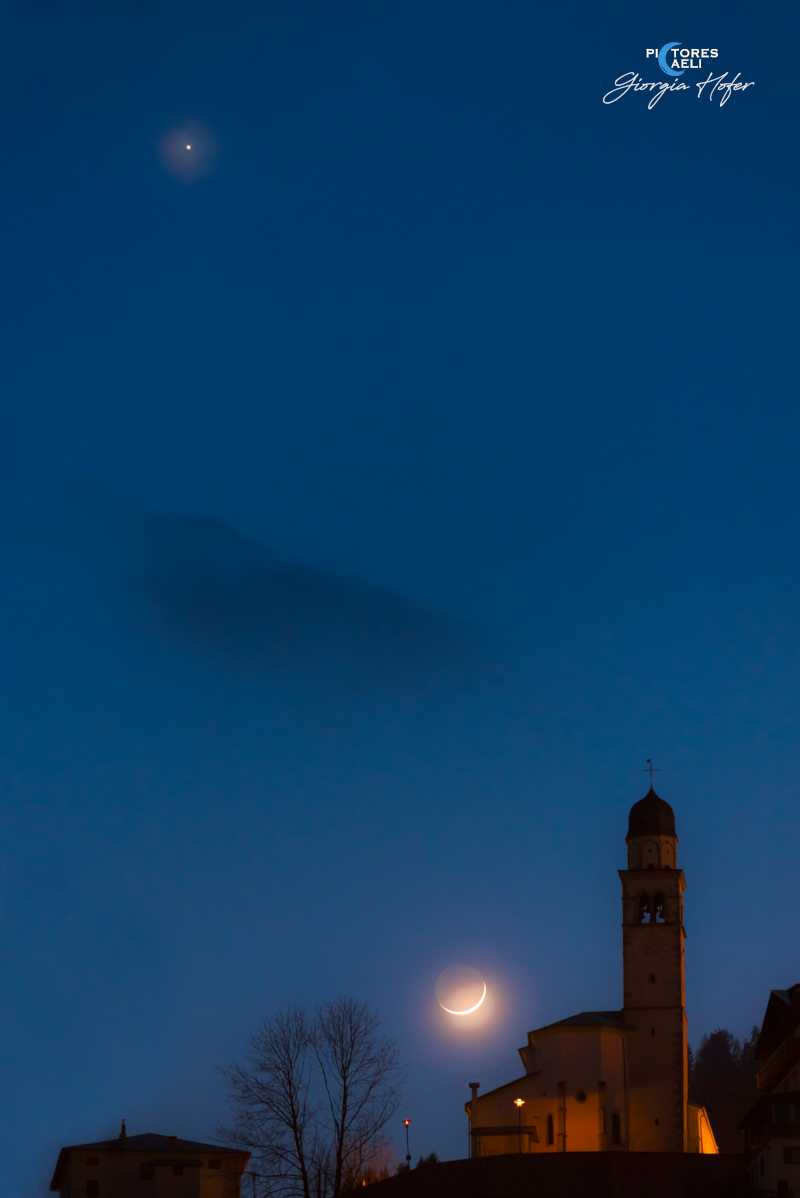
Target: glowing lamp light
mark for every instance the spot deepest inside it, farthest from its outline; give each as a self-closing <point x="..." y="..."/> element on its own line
<point x="519" y="1103"/>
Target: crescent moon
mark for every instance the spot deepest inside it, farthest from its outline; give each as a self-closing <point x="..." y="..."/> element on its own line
<point x="471" y="1009"/>
<point x="662" y="59"/>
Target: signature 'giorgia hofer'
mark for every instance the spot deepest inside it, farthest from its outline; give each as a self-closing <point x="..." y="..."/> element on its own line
<point x="628" y="82"/>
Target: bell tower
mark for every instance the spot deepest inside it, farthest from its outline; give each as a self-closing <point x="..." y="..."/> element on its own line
<point x="654" y="993"/>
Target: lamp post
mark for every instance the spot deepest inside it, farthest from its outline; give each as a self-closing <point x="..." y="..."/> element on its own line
<point x="519" y="1103"/>
<point x="408" y="1150"/>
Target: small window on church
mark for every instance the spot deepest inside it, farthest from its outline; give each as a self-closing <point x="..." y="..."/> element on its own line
<point x="644" y="909"/>
<point x="616" y="1128"/>
<point x="761" y="1166"/>
<point x="550" y="1137"/>
<point x="658" y="904"/>
<point x="580" y="1096"/>
<point x="652" y="977"/>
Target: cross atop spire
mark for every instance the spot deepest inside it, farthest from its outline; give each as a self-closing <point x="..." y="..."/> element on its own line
<point x="649" y="767"/>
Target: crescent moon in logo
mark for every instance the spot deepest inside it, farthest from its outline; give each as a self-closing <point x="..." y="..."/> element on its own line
<point x="662" y="59"/>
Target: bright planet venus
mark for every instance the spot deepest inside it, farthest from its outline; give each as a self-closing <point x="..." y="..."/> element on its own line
<point x="460" y="989"/>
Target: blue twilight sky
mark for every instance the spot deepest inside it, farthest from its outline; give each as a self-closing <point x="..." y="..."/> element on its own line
<point x="374" y="501"/>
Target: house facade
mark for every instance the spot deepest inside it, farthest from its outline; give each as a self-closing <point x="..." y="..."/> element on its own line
<point x="772" y="1127"/>
<point x="148" y="1166"/>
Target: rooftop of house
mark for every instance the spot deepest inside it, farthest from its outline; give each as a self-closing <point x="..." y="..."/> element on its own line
<point x="781" y="1019"/>
<point x="149" y="1142"/>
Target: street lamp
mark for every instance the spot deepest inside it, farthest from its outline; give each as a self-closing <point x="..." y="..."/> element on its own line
<point x="408" y="1150"/>
<point x="519" y="1103"/>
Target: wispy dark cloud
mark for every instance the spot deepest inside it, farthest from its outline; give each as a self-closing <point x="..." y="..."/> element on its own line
<point x="199" y="582"/>
<point x="208" y="586"/>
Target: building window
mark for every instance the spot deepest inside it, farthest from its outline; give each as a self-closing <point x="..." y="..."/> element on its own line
<point x="644" y="909"/>
<point x="146" y="1172"/>
<point x="652" y="977"/>
<point x="92" y="1189"/>
<point x="616" y="1128"/>
<point x="580" y="1096"/>
<point x="93" y="1160"/>
<point x="761" y="1166"/>
<point x="177" y="1170"/>
<point x="550" y="1137"/>
<point x="658" y="904"/>
<point x="791" y="1156"/>
<point x="215" y="1164"/>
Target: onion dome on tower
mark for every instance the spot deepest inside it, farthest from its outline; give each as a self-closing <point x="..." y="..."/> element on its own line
<point x="651" y="816"/>
<point x="651" y="838"/>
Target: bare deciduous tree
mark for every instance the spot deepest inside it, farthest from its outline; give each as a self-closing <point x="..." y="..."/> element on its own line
<point x="314" y="1097"/>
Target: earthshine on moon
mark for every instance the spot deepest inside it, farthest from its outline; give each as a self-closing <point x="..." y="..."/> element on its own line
<point x="460" y="989"/>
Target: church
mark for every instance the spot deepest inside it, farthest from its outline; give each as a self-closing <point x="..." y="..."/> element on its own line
<point x="613" y="1081"/>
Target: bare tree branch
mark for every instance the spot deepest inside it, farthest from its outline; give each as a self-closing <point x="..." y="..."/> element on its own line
<point x="314" y="1098"/>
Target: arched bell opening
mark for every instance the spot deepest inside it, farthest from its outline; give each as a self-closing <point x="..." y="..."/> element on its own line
<point x="659" y="909"/>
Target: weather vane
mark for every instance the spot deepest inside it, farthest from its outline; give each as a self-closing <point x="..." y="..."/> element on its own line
<point x="649" y="767"/>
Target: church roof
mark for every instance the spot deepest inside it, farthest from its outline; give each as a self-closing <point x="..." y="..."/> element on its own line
<point x="587" y="1019"/>
<point x="148" y="1142"/>
<point x="651" y="816"/>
